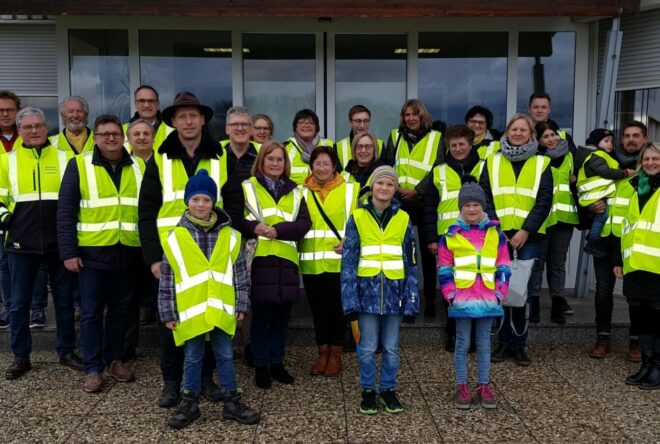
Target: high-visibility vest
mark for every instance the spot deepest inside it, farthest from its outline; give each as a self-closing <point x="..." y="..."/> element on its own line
<point x="159" y="136"/>
<point x="345" y="152"/>
<point x="640" y="242"/>
<point x="299" y="168"/>
<point x="205" y="296"/>
<point x="561" y="134"/>
<point x="515" y="198"/>
<point x="485" y="151"/>
<point x="617" y="208"/>
<point x="413" y="165"/>
<point x="224" y="143"/>
<point x="381" y="250"/>
<point x="594" y="188"/>
<point x="448" y="183"/>
<point x="563" y="204"/>
<point x="108" y="216"/>
<point x="258" y="200"/>
<point x="468" y="262"/>
<point x="316" y="249"/>
<point x="59" y="141"/>
<point x="173" y="179"/>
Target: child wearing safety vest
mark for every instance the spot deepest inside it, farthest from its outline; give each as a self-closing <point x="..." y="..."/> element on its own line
<point x="474" y="270"/>
<point x="204" y="291"/>
<point x="379" y="286"/>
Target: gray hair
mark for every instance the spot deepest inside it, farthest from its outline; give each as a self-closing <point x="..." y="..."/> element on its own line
<point x="29" y="111"/>
<point x="138" y="121"/>
<point x="78" y="99"/>
<point x="237" y="111"/>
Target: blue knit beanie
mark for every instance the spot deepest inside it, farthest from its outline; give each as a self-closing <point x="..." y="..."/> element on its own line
<point x="201" y="183"/>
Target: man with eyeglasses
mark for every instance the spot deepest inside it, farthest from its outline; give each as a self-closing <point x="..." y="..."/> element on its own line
<point x="76" y="137"/>
<point x="30" y="179"/>
<point x="147" y="105"/>
<point x="10" y="103"/>
<point x="359" y="118"/>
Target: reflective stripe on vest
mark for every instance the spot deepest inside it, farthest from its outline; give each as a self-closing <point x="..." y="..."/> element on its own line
<point x="640" y="241"/>
<point x="592" y="189"/>
<point x="468" y="262"/>
<point x="299" y="168"/>
<point x="35" y="177"/>
<point x="60" y="142"/>
<point x="381" y="250"/>
<point x="563" y="204"/>
<point x="617" y="208"/>
<point x="448" y="184"/>
<point x="345" y="152"/>
<point x="413" y="165"/>
<point x="486" y="151"/>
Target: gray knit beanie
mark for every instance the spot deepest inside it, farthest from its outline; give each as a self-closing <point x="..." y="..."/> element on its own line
<point x="471" y="192"/>
<point x="383" y="171"/>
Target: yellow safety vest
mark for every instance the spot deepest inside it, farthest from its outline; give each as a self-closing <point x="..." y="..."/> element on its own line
<point x="617" y="208"/>
<point x="173" y="179"/>
<point x="59" y="141"/>
<point x="345" y="153"/>
<point x="316" y="249"/>
<point x="413" y="165"/>
<point x="563" y="204"/>
<point x="224" y="143"/>
<point x="594" y="188"/>
<point x="299" y="168"/>
<point x="381" y="250"/>
<point x="448" y="184"/>
<point x="640" y="243"/>
<point x="261" y="202"/>
<point x="159" y="136"/>
<point x="514" y="199"/>
<point x="468" y="262"/>
<point x="108" y="216"/>
<point x="485" y="151"/>
<point x="205" y="296"/>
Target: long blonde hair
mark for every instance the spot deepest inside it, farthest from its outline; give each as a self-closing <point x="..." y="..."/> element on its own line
<point x="265" y="150"/>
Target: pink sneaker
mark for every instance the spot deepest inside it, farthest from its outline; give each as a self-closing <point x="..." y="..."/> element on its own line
<point x="486" y="396"/>
<point x="463" y="397"/>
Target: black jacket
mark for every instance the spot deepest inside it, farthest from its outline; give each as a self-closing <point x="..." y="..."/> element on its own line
<point x="112" y="257"/>
<point x="151" y="192"/>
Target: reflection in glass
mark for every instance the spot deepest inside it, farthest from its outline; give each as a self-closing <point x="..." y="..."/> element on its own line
<point x="279" y="77"/>
<point x="642" y="105"/>
<point x="99" y="70"/>
<point x="546" y="62"/>
<point x="194" y="61"/>
<point x="369" y="72"/>
<point x="458" y="70"/>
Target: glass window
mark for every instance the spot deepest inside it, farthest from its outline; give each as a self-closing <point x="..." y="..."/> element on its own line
<point x="195" y="61"/>
<point x="99" y="70"/>
<point x="458" y="70"/>
<point x="49" y="106"/>
<point x="279" y="77"/>
<point x="642" y="105"/>
<point x="370" y="70"/>
<point x="546" y="62"/>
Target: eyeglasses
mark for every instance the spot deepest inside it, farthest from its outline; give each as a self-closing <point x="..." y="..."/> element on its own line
<point x="35" y="127"/>
<point x="237" y="125"/>
<point x="322" y="165"/>
<point x="305" y="123"/>
<point x="8" y="110"/>
<point x="146" y="101"/>
<point x="262" y="128"/>
<point x="477" y="122"/>
<point x="361" y="121"/>
<point x="366" y="147"/>
<point x="115" y="135"/>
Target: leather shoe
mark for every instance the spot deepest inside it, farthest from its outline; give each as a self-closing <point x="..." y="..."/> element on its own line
<point x="93" y="383"/>
<point x="119" y="371"/>
<point x="72" y="361"/>
<point x="502" y="353"/>
<point x="634" y="353"/>
<point x="18" y="368"/>
<point x="601" y="349"/>
<point x="521" y="358"/>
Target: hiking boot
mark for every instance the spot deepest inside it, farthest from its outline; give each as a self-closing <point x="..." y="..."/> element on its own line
<point x="169" y="396"/>
<point x="501" y="354"/>
<point x="486" y="396"/>
<point x="463" y="397"/>
<point x="564" y="307"/>
<point x="5" y="322"/>
<point x="535" y="310"/>
<point x="211" y="392"/>
<point x="279" y="373"/>
<point x="73" y="361"/>
<point x="38" y="319"/>
<point x="595" y="248"/>
<point x="186" y="412"/>
<point x="262" y="377"/>
<point x="368" y="404"/>
<point x="557" y="313"/>
<point x="119" y="371"/>
<point x="334" y="361"/>
<point x="646" y="347"/>
<point x="93" y="383"/>
<point x="390" y="401"/>
<point x="322" y="361"/>
<point x="521" y="358"/>
<point x="652" y="379"/>
<point x="235" y="409"/>
<point x="601" y="349"/>
<point x="18" y="368"/>
<point x="634" y="353"/>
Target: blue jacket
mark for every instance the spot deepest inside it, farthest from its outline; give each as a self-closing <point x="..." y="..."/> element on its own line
<point x="378" y="294"/>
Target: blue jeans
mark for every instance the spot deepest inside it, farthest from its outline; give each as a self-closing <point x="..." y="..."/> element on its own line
<point x="102" y="337"/>
<point x="194" y="357"/>
<point x="373" y="326"/>
<point x="270" y="325"/>
<point x="24" y="269"/>
<point x="40" y="296"/>
<point x="531" y="250"/>
<point x="598" y="224"/>
<point x="482" y="337"/>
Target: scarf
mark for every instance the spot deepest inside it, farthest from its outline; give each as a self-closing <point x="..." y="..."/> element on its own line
<point x="643" y="183"/>
<point x="323" y="189"/>
<point x="307" y="147"/>
<point x="485" y="136"/>
<point x="559" y="151"/>
<point x="205" y="225"/>
<point x="626" y="160"/>
<point x="518" y="153"/>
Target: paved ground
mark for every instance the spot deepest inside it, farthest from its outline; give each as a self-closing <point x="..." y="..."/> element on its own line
<point x="565" y="396"/>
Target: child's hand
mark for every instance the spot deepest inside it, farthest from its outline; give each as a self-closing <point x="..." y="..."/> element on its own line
<point x="171" y="325"/>
<point x="339" y="248"/>
<point x="630" y="172"/>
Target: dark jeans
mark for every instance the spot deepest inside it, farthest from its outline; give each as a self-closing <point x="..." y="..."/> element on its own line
<point x="102" y="337"/>
<point x="172" y="357"/>
<point x="24" y="269"/>
<point x="270" y="325"/>
<point x="146" y="288"/>
<point x="649" y="320"/>
<point x="604" y="298"/>
<point x="324" y="295"/>
<point x="40" y="295"/>
<point x="429" y="266"/>
<point x="553" y="259"/>
<point x="517" y="339"/>
<point x="599" y="222"/>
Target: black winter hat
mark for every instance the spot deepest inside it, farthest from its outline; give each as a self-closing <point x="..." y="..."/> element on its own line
<point x="597" y="135"/>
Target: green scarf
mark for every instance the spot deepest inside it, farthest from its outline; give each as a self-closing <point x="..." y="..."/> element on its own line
<point x="643" y="185"/>
<point x="205" y="225"/>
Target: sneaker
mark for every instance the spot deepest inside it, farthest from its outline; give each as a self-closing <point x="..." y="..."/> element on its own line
<point x="186" y="412"/>
<point x="18" y="368"/>
<point x="211" y="392"/>
<point x="486" y="396"/>
<point x="368" y="404"/>
<point x="501" y="354"/>
<point x="169" y="396"/>
<point x="38" y="319"/>
<point x="390" y="401"/>
<point x="5" y="322"/>
<point x="93" y="383"/>
<point x="235" y="409"/>
<point x="521" y="358"/>
<point x="463" y="397"/>
<point x="119" y="372"/>
<point x="595" y="248"/>
<point x="279" y="373"/>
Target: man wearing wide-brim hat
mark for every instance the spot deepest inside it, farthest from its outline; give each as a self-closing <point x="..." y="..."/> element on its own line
<point x="189" y="148"/>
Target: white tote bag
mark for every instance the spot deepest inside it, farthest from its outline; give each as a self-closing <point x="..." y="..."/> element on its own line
<point x="521" y="270"/>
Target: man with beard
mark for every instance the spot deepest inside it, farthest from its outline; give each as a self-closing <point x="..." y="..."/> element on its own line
<point x="76" y="137"/>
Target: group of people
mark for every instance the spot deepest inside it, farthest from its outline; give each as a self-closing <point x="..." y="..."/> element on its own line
<point x="220" y="233"/>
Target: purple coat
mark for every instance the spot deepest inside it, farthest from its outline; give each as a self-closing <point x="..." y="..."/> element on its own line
<point x="276" y="280"/>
